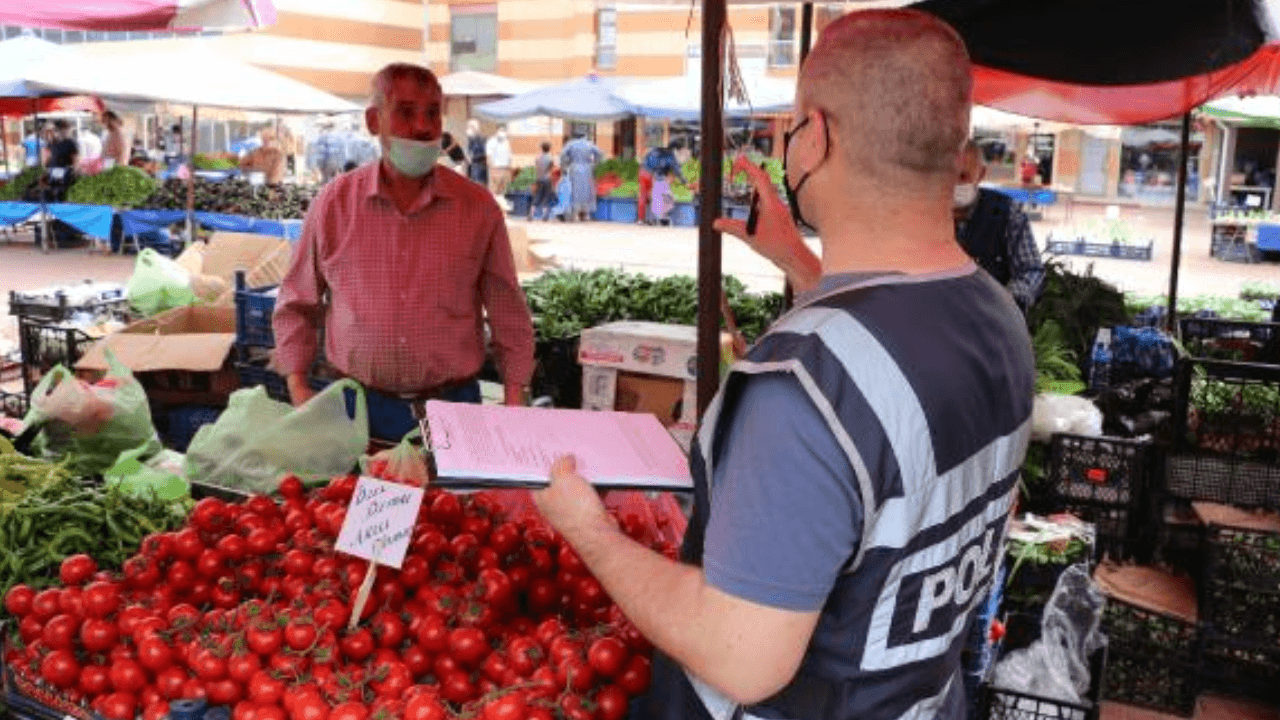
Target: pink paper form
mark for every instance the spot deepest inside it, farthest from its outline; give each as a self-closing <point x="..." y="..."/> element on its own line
<point x="499" y="445"/>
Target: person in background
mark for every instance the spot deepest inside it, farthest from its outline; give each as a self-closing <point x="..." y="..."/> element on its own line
<point x="33" y="145"/>
<point x="657" y="161"/>
<point x="1030" y="168"/>
<point x="578" y="160"/>
<point x="267" y="159"/>
<point x="477" y="165"/>
<point x="63" y="151"/>
<point x="995" y="233"/>
<point x="853" y="477"/>
<point x="400" y="262"/>
<point x="543" y="188"/>
<point x="452" y="155"/>
<point x="497" y="152"/>
<point x="663" y="200"/>
<point x="88" y="150"/>
<point x="327" y="154"/>
<point x="115" y="147"/>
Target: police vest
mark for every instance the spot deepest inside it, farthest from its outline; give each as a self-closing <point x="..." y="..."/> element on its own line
<point x="985" y="233"/>
<point x="887" y="645"/>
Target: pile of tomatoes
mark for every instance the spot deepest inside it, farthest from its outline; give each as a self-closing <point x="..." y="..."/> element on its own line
<point x="248" y="607"/>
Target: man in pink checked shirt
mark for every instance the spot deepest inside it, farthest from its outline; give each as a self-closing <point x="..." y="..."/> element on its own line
<point x="400" y="261"/>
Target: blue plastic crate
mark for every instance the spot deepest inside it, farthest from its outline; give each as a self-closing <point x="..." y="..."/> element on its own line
<point x="254" y="308"/>
<point x="185" y="420"/>
<point x="520" y="203"/>
<point x="684" y="215"/>
<point x="602" y="210"/>
<point x="622" y="210"/>
<point x="252" y="375"/>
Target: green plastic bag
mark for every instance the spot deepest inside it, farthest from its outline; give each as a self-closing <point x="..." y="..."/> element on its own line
<point x="90" y="425"/>
<point x="137" y="474"/>
<point x="404" y="463"/>
<point x="257" y="439"/>
<point x="158" y="284"/>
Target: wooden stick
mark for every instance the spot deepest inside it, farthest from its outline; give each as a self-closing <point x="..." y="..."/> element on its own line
<point x="366" y="588"/>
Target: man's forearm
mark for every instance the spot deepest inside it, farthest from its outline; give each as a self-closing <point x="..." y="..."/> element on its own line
<point x="801" y="265"/>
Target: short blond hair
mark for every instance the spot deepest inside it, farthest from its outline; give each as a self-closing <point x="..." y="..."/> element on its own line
<point x="898" y="85"/>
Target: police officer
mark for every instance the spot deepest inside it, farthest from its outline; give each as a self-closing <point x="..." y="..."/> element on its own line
<point x="996" y="233"/>
<point x="854" y="474"/>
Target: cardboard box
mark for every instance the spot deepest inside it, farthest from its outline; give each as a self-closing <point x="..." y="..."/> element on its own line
<point x="213" y="265"/>
<point x="646" y="367"/>
<point x="181" y="356"/>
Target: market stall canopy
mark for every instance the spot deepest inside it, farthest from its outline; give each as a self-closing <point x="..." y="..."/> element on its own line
<point x="589" y="99"/>
<point x="1106" y="62"/>
<point x="192" y="76"/>
<point x="472" y="83"/>
<point x="993" y="119"/>
<point x="1258" y="111"/>
<point x="680" y="98"/>
<point x="121" y="15"/>
<point x="17" y="97"/>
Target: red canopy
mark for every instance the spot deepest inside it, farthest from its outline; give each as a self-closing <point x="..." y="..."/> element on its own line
<point x="20" y="107"/>
<point x="138" y="15"/>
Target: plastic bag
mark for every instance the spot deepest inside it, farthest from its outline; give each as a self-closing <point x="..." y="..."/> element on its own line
<point x="158" y="284"/>
<point x="257" y="439"/>
<point x="161" y="473"/>
<point x="1054" y="414"/>
<point x="1057" y="665"/>
<point x="403" y="463"/>
<point x="91" y="425"/>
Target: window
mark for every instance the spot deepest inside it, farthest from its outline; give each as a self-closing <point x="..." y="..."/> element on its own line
<point x="607" y="38"/>
<point x="782" y="36"/>
<point x="73" y="36"/>
<point x="473" y="39"/>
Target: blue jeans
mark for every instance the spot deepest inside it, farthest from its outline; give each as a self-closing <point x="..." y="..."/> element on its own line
<point x="391" y="417"/>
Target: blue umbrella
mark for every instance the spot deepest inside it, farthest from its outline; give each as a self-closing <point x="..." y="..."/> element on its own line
<point x="589" y="99"/>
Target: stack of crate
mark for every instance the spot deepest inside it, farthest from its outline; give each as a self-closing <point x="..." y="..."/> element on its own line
<point x="54" y="324"/>
<point x="255" y="339"/>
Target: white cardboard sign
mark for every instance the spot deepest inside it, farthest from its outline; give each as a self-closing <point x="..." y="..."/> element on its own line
<point x="380" y="521"/>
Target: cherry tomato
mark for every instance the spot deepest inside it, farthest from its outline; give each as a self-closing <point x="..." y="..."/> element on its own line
<point x="608" y="656"/>
<point x="60" y="669"/>
<point x="127" y="676"/>
<point x="17" y="602"/>
<point x="611" y="703"/>
<point x="76" y="569"/>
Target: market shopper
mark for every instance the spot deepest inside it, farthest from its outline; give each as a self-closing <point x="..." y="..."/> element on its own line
<point x="63" y="151"/>
<point x="995" y="232"/>
<point x="658" y="161"/>
<point x="115" y="147"/>
<point x="477" y="163"/>
<point x="854" y="475"/>
<point x="543" y="184"/>
<point x="497" y="151"/>
<point x="579" y="159"/>
<point x="268" y="159"/>
<point x="412" y="258"/>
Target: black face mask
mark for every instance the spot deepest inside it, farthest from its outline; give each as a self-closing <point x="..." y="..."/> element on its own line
<point x="793" y="193"/>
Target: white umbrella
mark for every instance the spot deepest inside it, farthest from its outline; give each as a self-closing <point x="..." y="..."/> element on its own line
<point x="191" y="76"/>
<point x="472" y="83"/>
<point x="119" y="15"/>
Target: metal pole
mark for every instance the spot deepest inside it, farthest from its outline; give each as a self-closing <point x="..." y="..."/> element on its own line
<point x="46" y="228"/>
<point x="191" y="173"/>
<point x="4" y="143"/>
<point x="709" y="271"/>
<point x="1179" y="211"/>
<point x="806" y="42"/>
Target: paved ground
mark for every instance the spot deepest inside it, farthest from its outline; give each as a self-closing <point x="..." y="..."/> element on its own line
<point x="664" y="251"/>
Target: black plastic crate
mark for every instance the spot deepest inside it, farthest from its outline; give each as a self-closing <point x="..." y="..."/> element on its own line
<point x="1225" y="479"/>
<point x="557" y="373"/>
<point x="44" y="346"/>
<point x="1228" y="409"/>
<point x="1001" y="704"/>
<point x="1099" y="470"/>
<point x="1180" y="540"/>
<point x="1241" y="669"/>
<point x="254" y="308"/>
<point x="1241" y="595"/>
<point x="254" y="374"/>
<point x="58" y="308"/>
<point x="1153" y="658"/>
<point x="182" y="422"/>
<point x="1236" y="340"/>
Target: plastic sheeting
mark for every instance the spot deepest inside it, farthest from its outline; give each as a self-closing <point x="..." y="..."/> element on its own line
<point x="95" y="220"/>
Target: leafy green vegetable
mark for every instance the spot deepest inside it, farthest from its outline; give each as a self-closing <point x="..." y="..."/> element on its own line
<point x="1224" y="307"/>
<point x="1078" y="305"/>
<point x="1055" y="362"/>
<point x="524" y="180"/>
<point x="1259" y="291"/>
<point x="629" y="189"/>
<point x="205" y="162"/>
<point x="16" y="188"/>
<point x="565" y="302"/>
<point x="121" y="186"/>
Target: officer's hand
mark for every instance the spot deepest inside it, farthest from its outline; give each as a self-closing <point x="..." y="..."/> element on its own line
<point x="776" y="236"/>
<point x="570" y="503"/>
<point x="299" y="389"/>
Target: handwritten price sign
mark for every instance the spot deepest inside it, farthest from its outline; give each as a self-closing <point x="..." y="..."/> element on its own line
<point x="380" y="521"/>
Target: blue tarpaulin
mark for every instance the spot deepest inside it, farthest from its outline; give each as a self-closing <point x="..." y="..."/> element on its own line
<point x="93" y="220"/>
<point x="12" y="213"/>
<point x="137" y="222"/>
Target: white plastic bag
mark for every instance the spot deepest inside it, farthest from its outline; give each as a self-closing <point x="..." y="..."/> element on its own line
<point x="257" y="439"/>
<point x="1054" y="414"/>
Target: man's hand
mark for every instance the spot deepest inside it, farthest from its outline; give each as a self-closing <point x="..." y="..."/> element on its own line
<point x="515" y="395"/>
<point x="777" y="238"/>
<point x="570" y="503"/>
<point x="299" y="389"/>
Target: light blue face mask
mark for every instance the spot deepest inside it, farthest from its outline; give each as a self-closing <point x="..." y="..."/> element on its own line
<point x="413" y="158"/>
